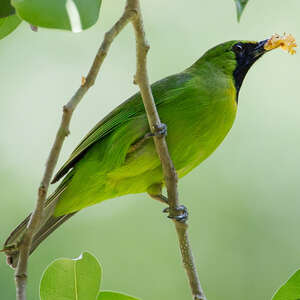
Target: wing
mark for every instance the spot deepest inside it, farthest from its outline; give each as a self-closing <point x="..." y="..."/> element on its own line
<point x="128" y="109"/>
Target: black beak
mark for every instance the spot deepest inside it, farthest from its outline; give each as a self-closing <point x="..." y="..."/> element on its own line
<point x="259" y="50"/>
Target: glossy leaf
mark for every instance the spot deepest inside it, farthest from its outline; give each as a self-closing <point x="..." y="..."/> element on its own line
<point x="75" y="15"/>
<point x="72" y="279"/>
<point x="6" y="9"/>
<point x="240" y="6"/>
<point x="290" y="290"/>
<point x="8" y="24"/>
<point x="108" y="295"/>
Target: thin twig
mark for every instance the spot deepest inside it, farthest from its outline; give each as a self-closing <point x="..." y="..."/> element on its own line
<point x="188" y="260"/>
<point x="63" y="131"/>
<point x="170" y="175"/>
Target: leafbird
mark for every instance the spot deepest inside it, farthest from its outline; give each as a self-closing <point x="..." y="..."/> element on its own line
<point x="117" y="157"/>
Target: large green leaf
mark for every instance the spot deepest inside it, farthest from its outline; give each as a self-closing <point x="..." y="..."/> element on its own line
<point x="72" y="279"/>
<point x="8" y="24"/>
<point x="290" y="290"/>
<point x="240" y="6"/>
<point x="108" y="295"/>
<point x="74" y="15"/>
<point x="6" y="9"/>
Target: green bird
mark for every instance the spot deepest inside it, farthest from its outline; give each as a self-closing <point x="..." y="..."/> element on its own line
<point x="117" y="157"/>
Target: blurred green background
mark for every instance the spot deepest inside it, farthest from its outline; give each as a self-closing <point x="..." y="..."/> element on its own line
<point x="244" y="200"/>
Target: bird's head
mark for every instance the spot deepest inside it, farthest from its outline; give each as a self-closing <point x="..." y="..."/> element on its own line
<point x="234" y="58"/>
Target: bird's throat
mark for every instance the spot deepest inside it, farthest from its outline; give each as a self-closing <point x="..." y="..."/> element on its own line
<point x="243" y="64"/>
<point x="239" y="76"/>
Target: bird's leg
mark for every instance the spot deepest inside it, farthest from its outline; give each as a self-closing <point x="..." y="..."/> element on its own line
<point x="181" y="213"/>
<point x="155" y="192"/>
<point x="160" y="131"/>
<point x="161" y="198"/>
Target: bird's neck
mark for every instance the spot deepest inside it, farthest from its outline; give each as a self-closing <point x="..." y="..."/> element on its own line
<point x="218" y="71"/>
<point x="239" y="75"/>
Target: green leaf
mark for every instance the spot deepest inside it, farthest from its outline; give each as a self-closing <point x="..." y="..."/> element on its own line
<point x="72" y="279"/>
<point x="108" y="295"/>
<point x="8" y="24"/>
<point x="74" y="15"/>
<point x="290" y="290"/>
<point x="240" y="6"/>
<point x="6" y="9"/>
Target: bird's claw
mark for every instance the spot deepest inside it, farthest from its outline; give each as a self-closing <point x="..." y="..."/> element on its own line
<point x="181" y="214"/>
<point x="159" y="131"/>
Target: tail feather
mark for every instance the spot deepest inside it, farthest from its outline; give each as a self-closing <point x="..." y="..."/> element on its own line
<point x="16" y="234"/>
<point x="48" y="225"/>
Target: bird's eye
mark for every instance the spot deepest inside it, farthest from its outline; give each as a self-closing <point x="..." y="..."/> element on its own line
<point x="238" y="48"/>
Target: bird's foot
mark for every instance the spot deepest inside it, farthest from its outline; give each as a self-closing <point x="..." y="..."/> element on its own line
<point x="181" y="214"/>
<point x="160" y="131"/>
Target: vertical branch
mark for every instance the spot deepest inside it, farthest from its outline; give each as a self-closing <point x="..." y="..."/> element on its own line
<point x="188" y="260"/>
<point x="170" y="175"/>
<point x="63" y="131"/>
<point x="141" y="78"/>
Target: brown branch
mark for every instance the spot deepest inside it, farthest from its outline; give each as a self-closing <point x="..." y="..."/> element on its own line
<point x="188" y="260"/>
<point x="63" y="131"/>
<point x="170" y="175"/>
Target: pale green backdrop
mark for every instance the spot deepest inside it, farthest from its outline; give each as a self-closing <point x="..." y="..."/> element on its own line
<point x="244" y="200"/>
